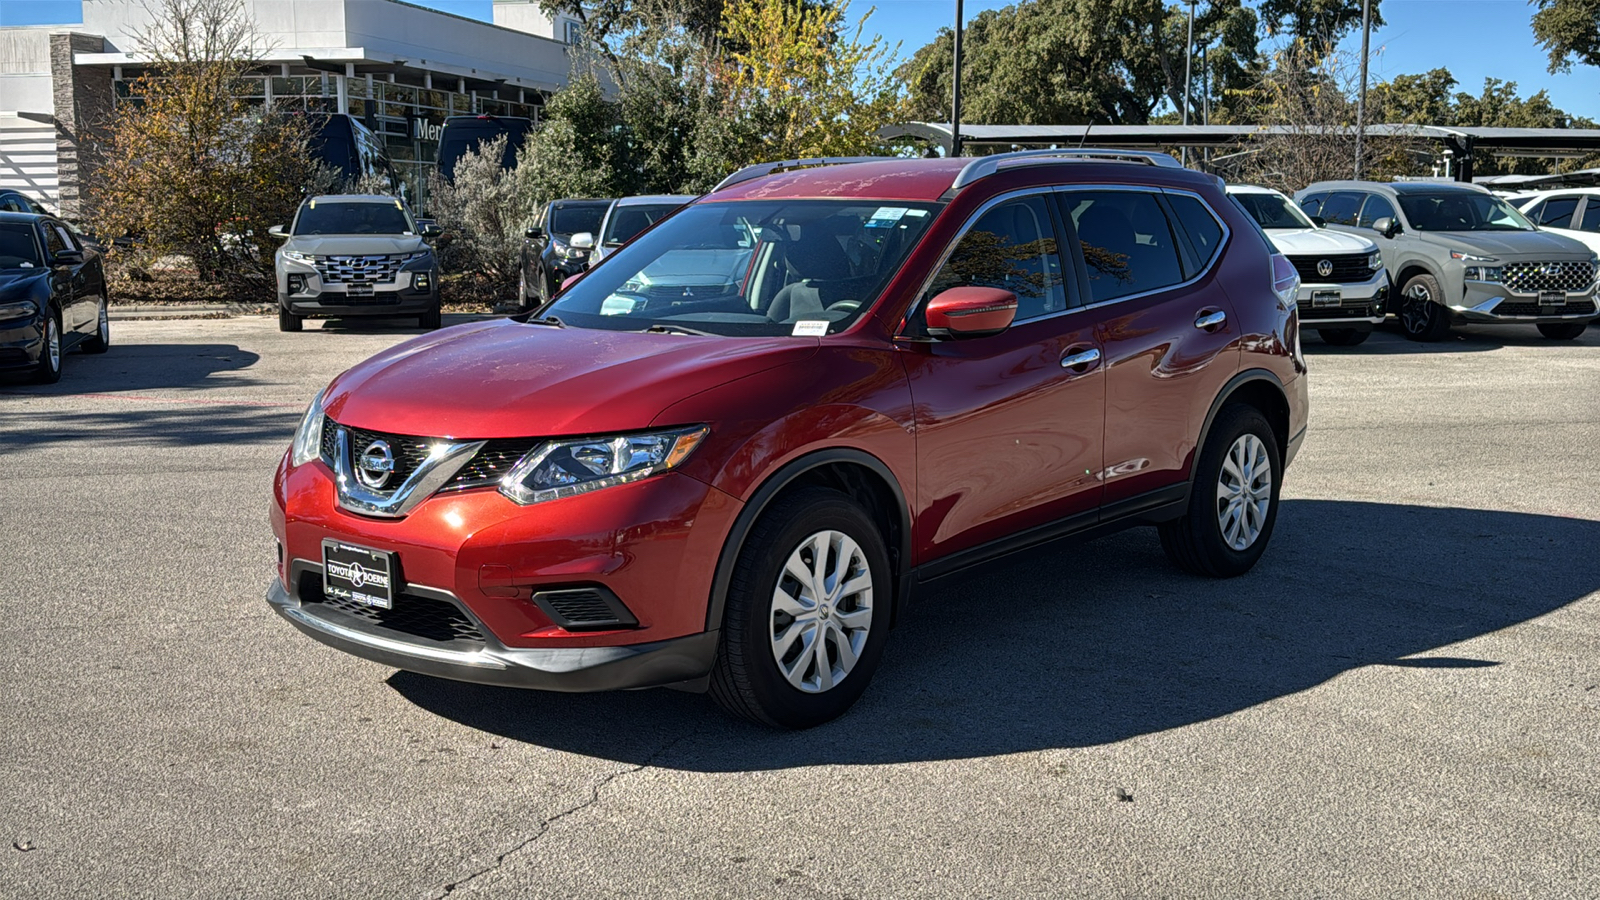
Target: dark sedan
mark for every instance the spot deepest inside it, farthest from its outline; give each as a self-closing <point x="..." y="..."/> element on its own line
<point x="52" y="295"/>
<point x="549" y="253"/>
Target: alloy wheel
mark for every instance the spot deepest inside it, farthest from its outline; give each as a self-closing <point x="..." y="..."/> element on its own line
<point x="821" y="611"/>
<point x="1417" y="308"/>
<point x="1244" y="492"/>
<point x="53" y="339"/>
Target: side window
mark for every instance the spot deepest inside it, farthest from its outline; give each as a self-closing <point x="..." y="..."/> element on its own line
<point x="1200" y="225"/>
<point x="1591" y="215"/>
<point x="10" y="204"/>
<point x="1341" y="207"/>
<point x="68" y="241"/>
<point x="1376" y="207"/>
<point x="1312" y="204"/>
<point x="1557" y="212"/>
<point x="1532" y="211"/>
<point x="52" y="243"/>
<point x="1012" y="247"/>
<point x="1127" y="243"/>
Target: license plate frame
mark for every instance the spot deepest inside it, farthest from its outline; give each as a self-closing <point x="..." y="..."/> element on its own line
<point x="1552" y="298"/>
<point x="359" y="290"/>
<point x="359" y="574"/>
<point x="1325" y="299"/>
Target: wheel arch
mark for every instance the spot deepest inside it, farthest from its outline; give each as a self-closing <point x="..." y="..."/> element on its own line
<point x="1409" y="270"/>
<point x="1259" y="388"/>
<point x="855" y="472"/>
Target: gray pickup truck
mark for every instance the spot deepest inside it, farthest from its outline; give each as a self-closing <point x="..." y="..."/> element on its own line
<point x="1457" y="253"/>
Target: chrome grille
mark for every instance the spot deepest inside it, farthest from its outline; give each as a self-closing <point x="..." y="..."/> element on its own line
<point x="1533" y="277"/>
<point x="359" y="269"/>
<point x="1347" y="268"/>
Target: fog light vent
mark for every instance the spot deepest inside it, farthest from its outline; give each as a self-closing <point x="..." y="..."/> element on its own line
<point x="585" y="609"/>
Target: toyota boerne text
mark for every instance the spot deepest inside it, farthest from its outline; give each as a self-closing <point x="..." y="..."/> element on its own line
<point x="727" y="457"/>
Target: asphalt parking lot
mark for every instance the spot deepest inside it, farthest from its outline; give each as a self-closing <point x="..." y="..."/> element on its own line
<point x="1403" y="699"/>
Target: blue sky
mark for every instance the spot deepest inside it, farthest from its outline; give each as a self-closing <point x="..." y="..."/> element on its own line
<point x="1474" y="39"/>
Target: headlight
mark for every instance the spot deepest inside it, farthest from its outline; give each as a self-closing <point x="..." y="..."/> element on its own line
<point x="566" y="252"/>
<point x="1375" y="261"/>
<point x="1468" y="257"/>
<point x="564" y="468"/>
<point x="308" y="437"/>
<point x="413" y="257"/>
<point x="296" y="254"/>
<point x="17" y="310"/>
<point x="1483" y="273"/>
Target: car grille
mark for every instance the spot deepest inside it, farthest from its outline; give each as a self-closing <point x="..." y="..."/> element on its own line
<point x="490" y="464"/>
<point x="358" y="269"/>
<point x="422" y="617"/>
<point x="1533" y="277"/>
<point x="1582" y="308"/>
<point x="1348" y="268"/>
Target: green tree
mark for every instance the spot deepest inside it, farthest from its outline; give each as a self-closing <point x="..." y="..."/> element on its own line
<point x="1321" y="22"/>
<point x="193" y="168"/>
<point x="1426" y="99"/>
<point x="1568" y="30"/>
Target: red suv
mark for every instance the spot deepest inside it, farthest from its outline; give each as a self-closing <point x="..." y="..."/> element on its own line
<point x="725" y="458"/>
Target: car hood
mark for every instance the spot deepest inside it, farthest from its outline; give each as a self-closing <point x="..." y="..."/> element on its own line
<point x="16" y="283"/>
<point x="1508" y="245"/>
<point x="355" y="244"/>
<point x="1310" y="241"/>
<point x="505" y="379"/>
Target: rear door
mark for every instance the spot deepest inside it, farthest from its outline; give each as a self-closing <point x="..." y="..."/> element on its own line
<point x="1165" y="325"/>
<point x="1008" y="426"/>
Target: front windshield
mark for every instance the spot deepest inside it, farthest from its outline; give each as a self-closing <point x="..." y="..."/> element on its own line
<point x="327" y="217"/>
<point x="1461" y="211"/>
<point x="751" y="268"/>
<point x="1273" y="211"/>
<point x="568" y="220"/>
<point x="627" y="221"/>
<point x="18" y="249"/>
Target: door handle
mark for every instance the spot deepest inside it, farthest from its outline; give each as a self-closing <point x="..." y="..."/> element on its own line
<point x="1081" y="362"/>
<point x="1211" y="321"/>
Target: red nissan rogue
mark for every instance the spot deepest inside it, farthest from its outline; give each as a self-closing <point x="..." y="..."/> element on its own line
<point x="726" y="458"/>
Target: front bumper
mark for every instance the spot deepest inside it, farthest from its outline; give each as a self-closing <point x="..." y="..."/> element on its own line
<point x="21" y="342"/>
<point x="552" y="669"/>
<point x="302" y="291"/>
<point x="1489" y="303"/>
<point x="1335" y="305"/>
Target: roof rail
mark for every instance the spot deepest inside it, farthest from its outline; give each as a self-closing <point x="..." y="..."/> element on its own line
<point x="984" y="166"/>
<point x="768" y="168"/>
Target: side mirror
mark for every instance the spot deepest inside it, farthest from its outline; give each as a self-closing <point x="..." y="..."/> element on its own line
<point x="277" y="231"/>
<point x="568" y="282"/>
<point x="1386" y="226"/>
<point x="583" y="240"/>
<point x="1319" y="221"/>
<point x="430" y="230"/>
<point x="67" y="258"/>
<point x="534" y="234"/>
<point x="962" y="312"/>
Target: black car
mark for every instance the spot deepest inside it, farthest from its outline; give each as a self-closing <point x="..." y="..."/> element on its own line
<point x="17" y="201"/>
<point x="463" y="133"/>
<point x="52" y="295"/>
<point x="549" y="255"/>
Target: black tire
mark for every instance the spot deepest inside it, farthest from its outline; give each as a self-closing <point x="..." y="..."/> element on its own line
<point x="288" y="321"/>
<point x="1423" y="316"/>
<point x="1563" y="331"/>
<point x="101" y="341"/>
<point x="433" y="319"/>
<point x="524" y="302"/>
<point x="48" y="371"/>
<point x="1344" y="337"/>
<point x="1195" y="542"/>
<point x="746" y="679"/>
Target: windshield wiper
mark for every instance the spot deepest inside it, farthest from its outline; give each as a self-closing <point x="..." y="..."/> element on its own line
<point x="664" y="328"/>
<point x="547" y="320"/>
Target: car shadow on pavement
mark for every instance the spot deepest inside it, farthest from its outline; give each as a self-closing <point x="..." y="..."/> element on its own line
<point x="142" y="367"/>
<point x="394" y="325"/>
<point x="1388" y="340"/>
<point x="1082" y="645"/>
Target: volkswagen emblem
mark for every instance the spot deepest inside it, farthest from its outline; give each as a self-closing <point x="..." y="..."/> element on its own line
<point x="1325" y="268"/>
<point x="375" y="465"/>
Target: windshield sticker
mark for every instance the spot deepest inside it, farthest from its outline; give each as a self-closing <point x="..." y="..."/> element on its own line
<point x="886" y="216"/>
<point x="810" y="328"/>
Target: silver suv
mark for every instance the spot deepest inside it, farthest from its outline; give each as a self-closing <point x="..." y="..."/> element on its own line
<point x="356" y="255"/>
<point x="1457" y="253"/>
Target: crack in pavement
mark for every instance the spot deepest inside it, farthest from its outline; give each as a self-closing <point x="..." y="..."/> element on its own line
<point x="544" y="825"/>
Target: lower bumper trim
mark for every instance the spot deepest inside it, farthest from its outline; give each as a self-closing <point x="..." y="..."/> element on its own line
<point x="574" y="669"/>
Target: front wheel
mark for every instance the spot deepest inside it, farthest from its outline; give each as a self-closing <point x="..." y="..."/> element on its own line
<point x="1422" y="317"/>
<point x="48" y="371"/>
<point x="1344" y="337"/>
<point x="288" y="321"/>
<point x="1562" y="331"/>
<point x="433" y="319"/>
<point x="1233" y="504"/>
<point x="807" y="613"/>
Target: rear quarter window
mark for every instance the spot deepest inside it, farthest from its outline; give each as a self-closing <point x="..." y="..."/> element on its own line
<point x="1200" y="226"/>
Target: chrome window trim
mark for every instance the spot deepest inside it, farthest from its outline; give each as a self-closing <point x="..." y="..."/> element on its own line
<point x="960" y="235"/>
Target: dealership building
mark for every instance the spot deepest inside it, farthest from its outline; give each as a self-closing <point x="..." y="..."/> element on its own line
<point x="399" y="68"/>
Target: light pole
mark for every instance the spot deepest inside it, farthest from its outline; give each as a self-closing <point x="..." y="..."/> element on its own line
<point x="1188" y="76"/>
<point x="955" y="91"/>
<point x="1361" y="97"/>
